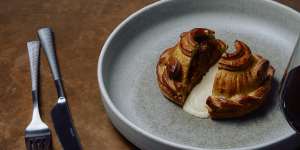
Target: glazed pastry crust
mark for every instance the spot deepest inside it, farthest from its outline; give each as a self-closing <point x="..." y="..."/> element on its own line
<point x="181" y="67"/>
<point x="241" y="84"/>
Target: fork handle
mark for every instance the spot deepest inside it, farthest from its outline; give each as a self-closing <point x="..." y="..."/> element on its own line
<point x="34" y="58"/>
<point x="47" y="40"/>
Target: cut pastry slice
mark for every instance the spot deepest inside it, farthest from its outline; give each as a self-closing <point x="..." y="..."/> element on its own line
<point x="181" y="67"/>
<point x="196" y="101"/>
<point x="241" y="84"/>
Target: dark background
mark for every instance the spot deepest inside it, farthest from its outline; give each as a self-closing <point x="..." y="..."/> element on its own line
<point x="81" y="27"/>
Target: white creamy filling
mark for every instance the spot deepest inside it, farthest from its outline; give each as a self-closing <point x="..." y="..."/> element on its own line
<point x="196" y="101"/>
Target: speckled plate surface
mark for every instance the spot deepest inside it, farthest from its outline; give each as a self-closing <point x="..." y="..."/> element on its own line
<point x="130" y="93"/>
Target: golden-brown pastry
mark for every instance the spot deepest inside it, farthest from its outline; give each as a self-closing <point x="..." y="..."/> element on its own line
<point x="241" y="84"/>
<point x="181" y="67"/>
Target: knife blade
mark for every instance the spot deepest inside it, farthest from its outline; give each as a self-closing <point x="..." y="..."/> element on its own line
<point x="61" y="115"/>
<point x="63" y="125"/>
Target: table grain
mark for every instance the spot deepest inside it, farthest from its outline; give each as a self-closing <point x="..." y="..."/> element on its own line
<point x="81" y="27"/>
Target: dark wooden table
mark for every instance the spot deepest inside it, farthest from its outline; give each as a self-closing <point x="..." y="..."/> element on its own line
<point x="81" y="27"/>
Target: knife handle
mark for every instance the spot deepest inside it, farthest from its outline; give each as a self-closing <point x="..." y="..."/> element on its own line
<point x="47" y="40"/>
<point x="34" y="58"/>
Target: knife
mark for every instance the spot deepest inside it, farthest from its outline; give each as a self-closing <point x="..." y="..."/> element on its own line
<point x="60" y="114"/>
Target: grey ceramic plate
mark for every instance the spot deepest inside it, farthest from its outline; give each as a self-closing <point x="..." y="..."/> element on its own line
<point x="127" y="80"/>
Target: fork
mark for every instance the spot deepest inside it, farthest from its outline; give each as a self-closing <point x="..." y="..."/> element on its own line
<point x="37" y="133"/>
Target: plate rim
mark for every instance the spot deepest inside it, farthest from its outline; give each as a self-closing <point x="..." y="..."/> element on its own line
<point x="106" y="98"/>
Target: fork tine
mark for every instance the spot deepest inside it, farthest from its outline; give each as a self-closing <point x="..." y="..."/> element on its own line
<point x="28" y="144"/>
<point x="32" y="145"/>
<point x="37" y="144"/>
<point x="41" y="144"/>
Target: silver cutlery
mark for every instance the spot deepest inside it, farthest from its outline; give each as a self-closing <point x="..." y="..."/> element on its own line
<point x="37" y="133"/>
<point x="61" y="116"/>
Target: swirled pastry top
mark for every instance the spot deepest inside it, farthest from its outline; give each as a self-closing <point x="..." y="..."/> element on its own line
<point x="241" y="83"/>
<point x="181" y="67"/>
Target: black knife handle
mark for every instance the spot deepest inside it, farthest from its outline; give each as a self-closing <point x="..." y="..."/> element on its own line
<point x="47" y="40"/>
